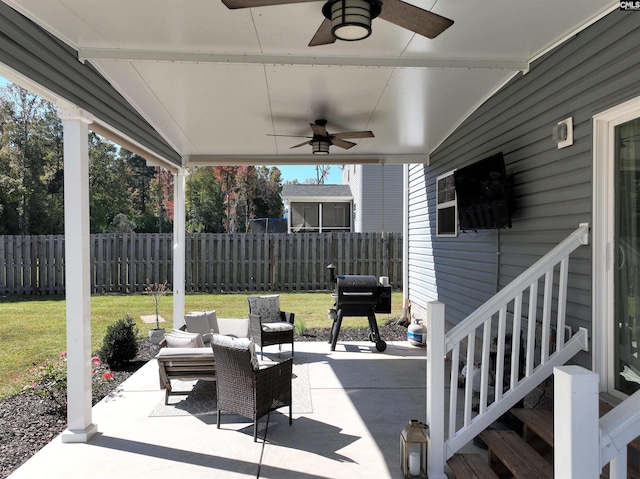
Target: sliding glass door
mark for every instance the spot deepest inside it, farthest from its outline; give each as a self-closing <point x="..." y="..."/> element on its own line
<point x="626" y="274"/>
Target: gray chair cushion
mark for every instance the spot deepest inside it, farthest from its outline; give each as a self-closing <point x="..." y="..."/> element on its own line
<point x="267" y="307"/>
<point x="237" y="343"/>
<point x="279" y="326"/>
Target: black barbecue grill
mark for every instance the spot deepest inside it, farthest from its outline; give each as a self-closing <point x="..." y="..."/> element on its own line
<point x="358" y="295"/>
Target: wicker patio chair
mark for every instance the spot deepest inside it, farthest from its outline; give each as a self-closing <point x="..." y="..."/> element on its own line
<point x="267" y="324"/>
<point x="243" y="387"/>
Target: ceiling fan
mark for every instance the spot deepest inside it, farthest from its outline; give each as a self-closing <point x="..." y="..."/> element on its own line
<point x="350" y="20"/>
<point x="322" y="139"/>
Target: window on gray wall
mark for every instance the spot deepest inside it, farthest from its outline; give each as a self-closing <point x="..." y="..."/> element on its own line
<point x="446" y="206"/>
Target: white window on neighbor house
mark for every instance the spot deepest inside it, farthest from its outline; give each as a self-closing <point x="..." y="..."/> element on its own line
<point x="320" y="217"/>
<point x="305" y="217"/>
<point x="336" y="217"/>
<point x="446" y="206"/>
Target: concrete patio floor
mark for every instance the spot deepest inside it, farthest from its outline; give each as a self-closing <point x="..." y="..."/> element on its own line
<point x="360" y="400"/>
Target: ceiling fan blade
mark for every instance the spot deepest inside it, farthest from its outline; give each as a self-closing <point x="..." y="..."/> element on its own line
<point x="301" y="144"/>
<point x="323" y="36"/>
<point x="353" y="134"/>
<point x="232" y="4"/>
<point x="412" y="18"/>
<point x="318" y="130"/>
<point x="291" y="136"/>
<point x="342" y="144"/>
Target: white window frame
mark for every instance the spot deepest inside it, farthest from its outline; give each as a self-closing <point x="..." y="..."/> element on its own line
<point x="603" y="239"/>
<point x="446" y="205"/>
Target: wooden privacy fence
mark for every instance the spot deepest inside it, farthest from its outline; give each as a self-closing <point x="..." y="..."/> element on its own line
<point x="120" y="262"/>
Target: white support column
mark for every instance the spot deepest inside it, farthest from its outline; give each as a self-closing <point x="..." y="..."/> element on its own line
<point x="179" y="245"/>
<point x="289" y="217"/>
<point x="435" y="390"/>
<point x="575" y="422"/>
<point x="405" y="239"/>
<point x="77" y="275"/>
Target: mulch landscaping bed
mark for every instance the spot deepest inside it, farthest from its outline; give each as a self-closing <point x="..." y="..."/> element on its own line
<point x="28" y="421"/>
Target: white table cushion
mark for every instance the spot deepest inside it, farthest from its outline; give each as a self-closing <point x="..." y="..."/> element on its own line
<point x="184" y="353"/>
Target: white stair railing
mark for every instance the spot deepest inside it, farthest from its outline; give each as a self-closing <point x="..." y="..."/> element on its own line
<point x="516" y="351"/>
<point x="618" y="428"/>
<point x="584" y="444"/>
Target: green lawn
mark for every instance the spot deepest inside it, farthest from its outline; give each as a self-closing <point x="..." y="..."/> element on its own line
<point x="32" y="330"/>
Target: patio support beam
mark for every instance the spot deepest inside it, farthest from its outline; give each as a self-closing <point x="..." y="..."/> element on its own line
<point x="179" y="245"/>
<point x="301" y="60"/>
<point x="332" y="159"/>
<point x="77" y="274"/>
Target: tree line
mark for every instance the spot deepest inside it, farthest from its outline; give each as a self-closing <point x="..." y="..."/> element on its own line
<point x="126" y="195"/>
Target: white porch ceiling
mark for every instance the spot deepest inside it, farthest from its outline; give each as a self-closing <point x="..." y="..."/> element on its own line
<point x="216" y="82"/>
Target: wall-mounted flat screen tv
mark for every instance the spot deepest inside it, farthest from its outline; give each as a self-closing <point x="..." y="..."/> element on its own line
<point x="483" y="194"/>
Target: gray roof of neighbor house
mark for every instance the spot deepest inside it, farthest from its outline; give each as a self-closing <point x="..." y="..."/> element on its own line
<point x="316" y="191"/>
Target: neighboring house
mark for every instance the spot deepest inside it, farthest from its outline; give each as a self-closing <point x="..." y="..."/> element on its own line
<point x="377" y="197"/>
<point x="318" y="208"/>
<point x="593" y="177"/>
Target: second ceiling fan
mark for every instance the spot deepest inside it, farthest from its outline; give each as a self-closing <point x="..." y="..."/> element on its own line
<point x="322" y="139"/>
<point x="350" y="20"/>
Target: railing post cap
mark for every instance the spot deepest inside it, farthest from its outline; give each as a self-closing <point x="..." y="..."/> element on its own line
<point x="584" y="237"/>
<point x="576" y="373"/>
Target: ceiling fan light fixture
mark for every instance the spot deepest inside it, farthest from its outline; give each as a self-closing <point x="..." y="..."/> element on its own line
<point x="320" y="146"/>
<point x="351" y="19"/>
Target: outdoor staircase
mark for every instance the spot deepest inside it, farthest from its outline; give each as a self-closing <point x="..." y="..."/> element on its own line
<point x="525" y="455"/>
<point x="518" y="339"/>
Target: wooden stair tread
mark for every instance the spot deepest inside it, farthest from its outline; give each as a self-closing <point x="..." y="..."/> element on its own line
<point x="520" y="458"/>
<point x="538" y="420"/>
<point x="470" y="466"/>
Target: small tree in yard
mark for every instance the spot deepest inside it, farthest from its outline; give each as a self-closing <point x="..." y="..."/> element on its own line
<point x="156" y="290"/>
<point x="120" y="344"/>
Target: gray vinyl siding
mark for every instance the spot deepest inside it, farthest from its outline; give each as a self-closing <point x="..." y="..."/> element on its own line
<point x="382" y="198"/>
<point x="355" y="182"/>
<point x="30" y="50"/>
<point x="377" y="196"/>
<point x="593" y="71"/>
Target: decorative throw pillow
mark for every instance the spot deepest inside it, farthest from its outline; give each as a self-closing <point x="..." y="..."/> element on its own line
<point x="195" y="337"/>
<point x="212" y="319"/>
<point x="198" y="322"/>
<point x="237" y="343"/>
<point x="267" y="307"/>
<point x="174" y="341"/>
